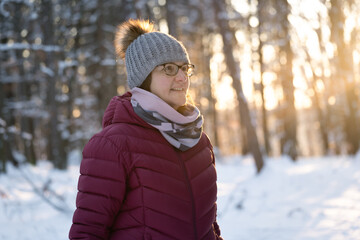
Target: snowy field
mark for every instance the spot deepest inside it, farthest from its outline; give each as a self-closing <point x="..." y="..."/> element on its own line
<point x="315" y="198"/>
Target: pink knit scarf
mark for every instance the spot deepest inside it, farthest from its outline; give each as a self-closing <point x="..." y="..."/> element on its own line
<point x="181" y="131"/>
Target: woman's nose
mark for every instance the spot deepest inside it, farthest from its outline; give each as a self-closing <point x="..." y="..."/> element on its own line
<point x="181" y="76"/>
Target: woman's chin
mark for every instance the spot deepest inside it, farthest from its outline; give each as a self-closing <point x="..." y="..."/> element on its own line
<point x="177" y="104"/>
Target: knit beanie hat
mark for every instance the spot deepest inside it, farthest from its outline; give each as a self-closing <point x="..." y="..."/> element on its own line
<point x="144" y="49"/>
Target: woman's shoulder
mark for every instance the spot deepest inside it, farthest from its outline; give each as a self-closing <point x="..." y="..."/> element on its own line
<point x="123" y="134"/>
<point x="206" y="140"/>
<point x="112" y="136"/>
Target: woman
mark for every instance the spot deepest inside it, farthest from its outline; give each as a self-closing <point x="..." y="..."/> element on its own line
<point x="149" y="174"/>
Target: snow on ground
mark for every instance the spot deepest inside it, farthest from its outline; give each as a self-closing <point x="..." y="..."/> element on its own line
<point x="310" y="199"/>
<point x="316" y="198"/>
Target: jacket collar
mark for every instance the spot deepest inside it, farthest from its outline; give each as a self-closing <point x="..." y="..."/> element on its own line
<point x="120" y="110"/>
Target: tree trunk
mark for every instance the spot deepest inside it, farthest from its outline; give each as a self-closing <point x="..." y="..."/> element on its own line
<point x="264" y="117"/>
<point x="317" y="105"/>
<point x="289" y="141"/>
<point x="344" y="73"/>
<point x="207" y="53"/>
<point x="104" y="75"/>
<point x="2" y="129"/>
<point x="324" y="115"/>
<point x="234" y="71"/>
<point x="24" y="95"/>
<point x="171" y="18"/>
<point x="56" y="151"/>
<point x="7" y="120"/>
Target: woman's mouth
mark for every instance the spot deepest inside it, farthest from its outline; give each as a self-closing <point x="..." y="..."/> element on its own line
<point x="177" y="89"/>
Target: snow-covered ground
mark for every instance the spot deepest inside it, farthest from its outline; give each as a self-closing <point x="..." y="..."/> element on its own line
<point x="317" y="198"/>
<point x="314" y="198"/>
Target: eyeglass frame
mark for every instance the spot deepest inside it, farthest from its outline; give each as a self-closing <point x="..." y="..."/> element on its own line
<point x="178" y="67"/>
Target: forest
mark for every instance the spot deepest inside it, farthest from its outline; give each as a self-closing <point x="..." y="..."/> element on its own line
<point x="273" y="78"/>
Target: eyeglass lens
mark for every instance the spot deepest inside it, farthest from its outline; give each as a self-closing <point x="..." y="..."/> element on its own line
<point x="172" y="69"/>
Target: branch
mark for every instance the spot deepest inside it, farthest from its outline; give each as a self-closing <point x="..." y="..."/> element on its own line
<point x="45" y="190"/>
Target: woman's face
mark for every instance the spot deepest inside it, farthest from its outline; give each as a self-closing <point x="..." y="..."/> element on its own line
<point x="171" y="89"/>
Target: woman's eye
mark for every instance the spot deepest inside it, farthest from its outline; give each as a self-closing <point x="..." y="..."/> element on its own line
<point x="169" y="68"/>
<point x="184" y="68"/>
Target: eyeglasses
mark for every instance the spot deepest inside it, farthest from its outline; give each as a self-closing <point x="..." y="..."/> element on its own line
<point x="171" y="69"/>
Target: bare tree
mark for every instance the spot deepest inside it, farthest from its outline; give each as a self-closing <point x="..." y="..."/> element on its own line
<point x="343" y="71"/>
<point x="17" y="123"/>
<point x="2" y="124"/>
<point x="24" y="94"/>
<point x="289" y="140"/>
<point x="55" y="146"/>
<point x="317" y="105"/>
<point x="171" y="17"/>
<point x="198" y="31"/>
<point x="261" y="16"/>
<point x="234" y="71"/>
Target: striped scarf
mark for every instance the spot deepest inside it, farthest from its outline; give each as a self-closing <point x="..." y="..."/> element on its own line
<point x="181" y="131"/>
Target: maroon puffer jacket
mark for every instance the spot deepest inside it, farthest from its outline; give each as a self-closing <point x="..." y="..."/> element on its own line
<point x="135" y="185"/>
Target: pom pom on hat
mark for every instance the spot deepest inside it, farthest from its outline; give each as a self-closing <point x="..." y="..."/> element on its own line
<point x="127" y="32"/>
<point x="144" y="49"/>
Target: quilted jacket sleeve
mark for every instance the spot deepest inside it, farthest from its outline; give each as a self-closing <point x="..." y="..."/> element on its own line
<point x="215" y="225"/>
<point x="217" y="231"/>
<point x="101" y="189"/>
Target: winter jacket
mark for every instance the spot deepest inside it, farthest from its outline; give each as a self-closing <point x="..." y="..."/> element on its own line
<point x="135" y="185"/>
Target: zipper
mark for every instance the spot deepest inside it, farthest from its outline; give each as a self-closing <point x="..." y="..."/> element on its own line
<point x="187" y="180"/>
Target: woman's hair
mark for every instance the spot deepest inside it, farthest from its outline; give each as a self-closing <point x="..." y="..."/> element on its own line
<point x="127" y="32"/>
<point x="146" y="84"/>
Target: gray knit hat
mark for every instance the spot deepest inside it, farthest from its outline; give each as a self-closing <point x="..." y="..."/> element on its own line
<point x="148" y="51"/>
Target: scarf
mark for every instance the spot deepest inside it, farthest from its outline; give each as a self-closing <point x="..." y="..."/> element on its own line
<point x="183" y="131"/>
